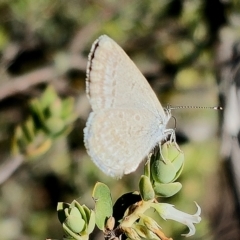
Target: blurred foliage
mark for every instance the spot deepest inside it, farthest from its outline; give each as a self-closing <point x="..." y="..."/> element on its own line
<point x="172" y="42"/>
<point x="50" y="118"/>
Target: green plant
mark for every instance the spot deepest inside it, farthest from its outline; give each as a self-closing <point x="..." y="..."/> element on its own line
<point x="129" y="215"/>
<point x="50" y="118"/>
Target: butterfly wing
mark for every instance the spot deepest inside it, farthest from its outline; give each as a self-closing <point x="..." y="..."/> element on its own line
<point x="127" y="119"/>
<point x="119" y="139"/>
<point x="114" y="81"/>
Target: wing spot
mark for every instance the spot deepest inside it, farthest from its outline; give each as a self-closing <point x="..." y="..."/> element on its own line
<point x="120" y="115"/>
<point x="137" y="117"/>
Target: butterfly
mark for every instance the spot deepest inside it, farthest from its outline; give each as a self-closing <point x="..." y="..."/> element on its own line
<point x="127" y="120"/>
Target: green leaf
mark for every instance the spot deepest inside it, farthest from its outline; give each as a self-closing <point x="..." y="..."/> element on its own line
<point x="54" y="125"/>
<point x="36" y="148"/>
<point x="48" y="97"/>
<point x="91" y="222"/>
<point x="167" y="190"/>
<point x="61" y="206"/>
<point x="80" y="209"/>
<point x="55" y="108"/>
<point x="75" y="221"/>
<point x="28" y="128"/>
<point x="87" y="212"/>
<point x="70" y="234"/>
<point x="165" y="150"/>
<point x="67" y="107"/>
<point x="178" y="173"/>
<point x="147" y="168"/>
<point x="37" y="109"/>
<point x="21" y="139"/>
<point x="178" y="161"/>
<point x="146" y="189"/>
<point x="163" y="172"/>
<point x="103" y="204"/>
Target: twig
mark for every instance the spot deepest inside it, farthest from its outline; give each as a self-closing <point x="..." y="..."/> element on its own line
<point x="9" y="166"/>
<point x="46" y="74"/>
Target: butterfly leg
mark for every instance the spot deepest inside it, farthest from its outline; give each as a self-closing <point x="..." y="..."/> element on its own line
<point x="171" y="133"/>
<point x="160" y="150"/>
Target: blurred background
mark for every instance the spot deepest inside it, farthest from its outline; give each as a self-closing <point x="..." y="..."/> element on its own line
<point x="188" y="52"/>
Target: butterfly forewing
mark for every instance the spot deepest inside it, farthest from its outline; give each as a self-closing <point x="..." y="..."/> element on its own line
<point x="114" y="81"/>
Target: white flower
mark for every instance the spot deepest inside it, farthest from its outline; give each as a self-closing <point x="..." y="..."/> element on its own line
<point x="167" y="211"/>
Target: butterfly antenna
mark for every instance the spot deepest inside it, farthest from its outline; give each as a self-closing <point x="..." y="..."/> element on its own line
<point x="193" y="107"/>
